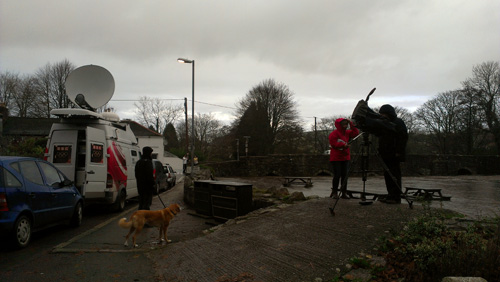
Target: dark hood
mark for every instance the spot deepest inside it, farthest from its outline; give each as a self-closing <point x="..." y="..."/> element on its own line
<point x="388" y="110"/>
<point x="146" y="152"/>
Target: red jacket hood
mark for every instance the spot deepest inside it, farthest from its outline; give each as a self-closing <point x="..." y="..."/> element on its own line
<point x="338" y="126"/>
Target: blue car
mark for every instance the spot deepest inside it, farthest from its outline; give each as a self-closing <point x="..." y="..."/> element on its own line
<point x="34" y="195"/>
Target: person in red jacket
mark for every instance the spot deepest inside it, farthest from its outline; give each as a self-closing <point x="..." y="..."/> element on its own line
<point x="340" y="155"/>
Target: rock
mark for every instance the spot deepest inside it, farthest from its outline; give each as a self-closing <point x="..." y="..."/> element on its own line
<point x="297" y="196"/>
<point x="359" y="274"/>
<point x="378" y="261"/>
<point x="280" y="193"/>
<point x="272" y="190"/>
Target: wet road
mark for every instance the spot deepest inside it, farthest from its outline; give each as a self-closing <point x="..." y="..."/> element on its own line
<point x="473" y="195"/>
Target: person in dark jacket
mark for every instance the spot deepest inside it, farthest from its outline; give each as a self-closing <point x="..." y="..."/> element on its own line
<point x="145" y="178"/>
<point x="392" y="149"/>
<point x="340" y="154"/>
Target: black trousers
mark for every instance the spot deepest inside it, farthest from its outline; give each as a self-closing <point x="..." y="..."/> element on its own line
<point x="145" y="199"/>
<point x="340" y="169"/>
<point x="393" y="188"/>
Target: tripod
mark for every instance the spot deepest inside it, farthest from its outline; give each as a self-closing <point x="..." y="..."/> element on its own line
<point x="364" y="154"/>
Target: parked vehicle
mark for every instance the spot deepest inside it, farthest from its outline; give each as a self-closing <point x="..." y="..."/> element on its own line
<point x="160" y="177"/>
<point x="93" y="149"/>
<point x="34" y="195"/>
<point x="171" y="176"/>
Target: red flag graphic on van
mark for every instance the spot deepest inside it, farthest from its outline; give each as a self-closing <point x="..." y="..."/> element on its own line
<point x="117" y="165"/>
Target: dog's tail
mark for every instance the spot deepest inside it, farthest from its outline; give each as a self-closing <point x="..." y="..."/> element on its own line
<point x="124" y="224"/>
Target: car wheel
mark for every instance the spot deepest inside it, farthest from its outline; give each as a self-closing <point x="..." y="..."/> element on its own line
<point x="119" y="204"/>
<point x="76" y="220"/>
<point x="22" y="231"/>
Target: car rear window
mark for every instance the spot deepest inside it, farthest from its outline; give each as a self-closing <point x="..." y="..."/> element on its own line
<point x="31" y="172"/>
<point x="8" y="180"/>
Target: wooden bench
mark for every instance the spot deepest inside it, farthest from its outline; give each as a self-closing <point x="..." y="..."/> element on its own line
<point x="367" y="195"/>
<point x="289" y="180"/>
<point x="426" y="193"/>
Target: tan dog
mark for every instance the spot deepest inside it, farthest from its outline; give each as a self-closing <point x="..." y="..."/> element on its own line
<point x="160" y="218"/>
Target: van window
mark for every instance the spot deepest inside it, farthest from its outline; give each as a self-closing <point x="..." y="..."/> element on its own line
<point x="134" y="153"/>
<point x="31" y="172"/>
<point x="96" y="153"/>
<point x="8" y="179"/>
<point x="62" y="154"/>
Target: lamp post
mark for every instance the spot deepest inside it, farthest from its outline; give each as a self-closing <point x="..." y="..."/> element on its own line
<point x="186" y="61"/>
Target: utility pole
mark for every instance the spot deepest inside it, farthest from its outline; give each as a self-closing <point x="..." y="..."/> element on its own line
<point x="186" y="116"/>
<point x="238" y="149"/>
<point x="315" y="137"/>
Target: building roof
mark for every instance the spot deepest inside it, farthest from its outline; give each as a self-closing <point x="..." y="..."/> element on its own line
<point x="140" y="130"/>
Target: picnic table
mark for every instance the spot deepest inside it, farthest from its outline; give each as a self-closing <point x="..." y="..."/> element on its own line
<point x="364" y="195"/>
<point x="426" y="193"/>
<point x="289" y="180"/>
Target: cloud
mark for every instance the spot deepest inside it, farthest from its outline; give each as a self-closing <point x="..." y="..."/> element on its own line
<point x="329" y="53"/>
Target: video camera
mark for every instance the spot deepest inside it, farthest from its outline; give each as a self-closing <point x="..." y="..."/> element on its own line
<point x="370" y="121"/>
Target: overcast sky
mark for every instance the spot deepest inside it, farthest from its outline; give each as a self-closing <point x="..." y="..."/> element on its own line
<point x="329" y="53"/>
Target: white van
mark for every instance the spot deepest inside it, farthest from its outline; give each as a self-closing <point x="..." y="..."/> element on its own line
<point x="94" y="150"/>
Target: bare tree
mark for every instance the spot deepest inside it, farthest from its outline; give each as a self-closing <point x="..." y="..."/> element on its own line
<point x="156" y="112"/>
<point x="50" y="87"/>
<point x="9" y="85"/>
<point x="484" y="86"/>
<point x="207" y="129"/>
<point x="471" y="124"/>
<point x="273" y="102"/>
<point x="438" y="117"/>
<point x="209" y="132"/>
<point x="24" y="99"/>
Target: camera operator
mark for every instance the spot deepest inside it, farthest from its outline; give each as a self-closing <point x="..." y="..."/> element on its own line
<point x="392" y="147"/>
<point x="340" y="154"/>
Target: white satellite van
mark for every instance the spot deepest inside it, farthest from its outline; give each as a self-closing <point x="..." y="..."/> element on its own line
<point x="93" y="149"/>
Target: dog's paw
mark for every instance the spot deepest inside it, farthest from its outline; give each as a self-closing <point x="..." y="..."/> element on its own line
<point x="136" y="246"/>
<point x="169" y="241"/>
<point x="125" y="244"/>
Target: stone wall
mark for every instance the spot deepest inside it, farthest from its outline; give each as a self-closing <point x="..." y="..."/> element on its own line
<point x="315" y="165"/>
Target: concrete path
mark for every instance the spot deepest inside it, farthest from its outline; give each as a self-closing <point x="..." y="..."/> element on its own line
<point x="298" y="242"/>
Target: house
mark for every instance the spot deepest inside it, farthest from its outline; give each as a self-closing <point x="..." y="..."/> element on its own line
<point x="153" y="139"/>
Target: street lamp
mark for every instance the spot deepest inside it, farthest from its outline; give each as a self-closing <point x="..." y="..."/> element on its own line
<point x="186" y="61"/>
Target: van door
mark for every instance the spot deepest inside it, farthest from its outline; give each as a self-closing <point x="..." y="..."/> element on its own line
<point x="63" y="151"/>
<point x="132" y="156"/>
<point x="95" y="163"/>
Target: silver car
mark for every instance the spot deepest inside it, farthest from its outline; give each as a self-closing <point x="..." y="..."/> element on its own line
<point x="171" y="176"/>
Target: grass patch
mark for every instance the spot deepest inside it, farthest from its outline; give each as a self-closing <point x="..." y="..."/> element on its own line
<point x="427" y="249"/>
<point x="436" y="245"/>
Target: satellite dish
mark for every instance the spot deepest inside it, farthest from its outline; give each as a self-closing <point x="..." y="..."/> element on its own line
<point x="90" y="86"/>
